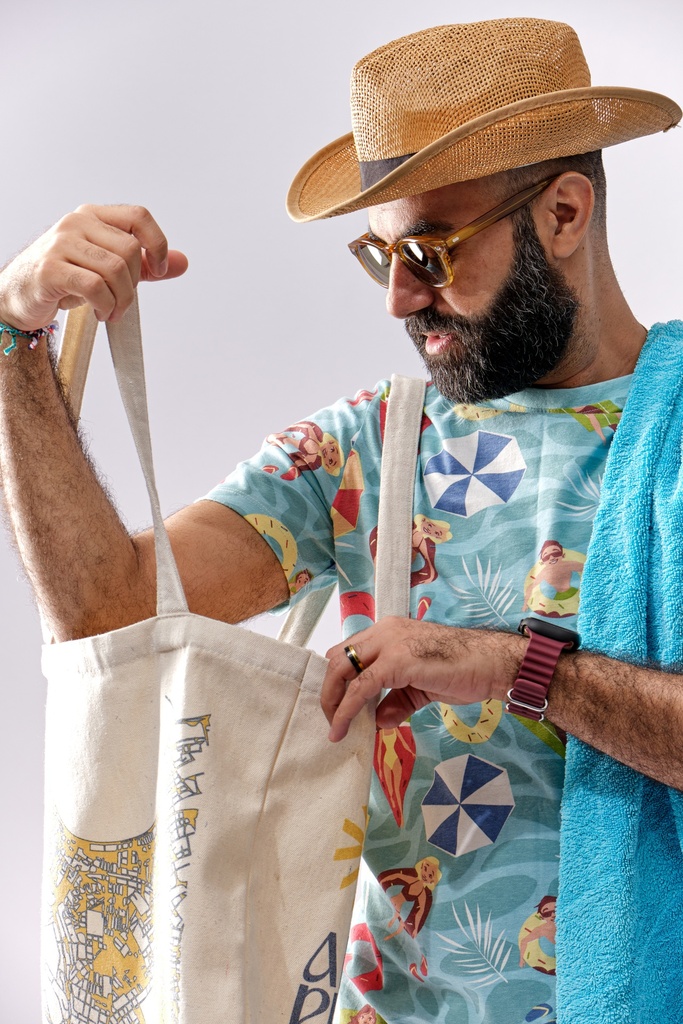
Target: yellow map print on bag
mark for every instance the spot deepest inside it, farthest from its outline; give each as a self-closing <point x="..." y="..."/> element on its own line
<point x="102" y="906"/>
<point x="102" y="924"/>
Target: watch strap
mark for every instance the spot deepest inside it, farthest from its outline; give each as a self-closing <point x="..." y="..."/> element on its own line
<point x="528" y="696"/>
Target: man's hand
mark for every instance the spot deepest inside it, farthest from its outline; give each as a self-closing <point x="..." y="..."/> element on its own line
<point x="420" y="662"/>
<point x="630" y="712"/>
<point x="96" y="255"/>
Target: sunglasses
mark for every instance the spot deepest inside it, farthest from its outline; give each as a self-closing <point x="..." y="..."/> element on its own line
<point x="428" y="257"/>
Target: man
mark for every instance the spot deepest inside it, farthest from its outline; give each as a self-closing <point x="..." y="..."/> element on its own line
<point x="476" y="150"/>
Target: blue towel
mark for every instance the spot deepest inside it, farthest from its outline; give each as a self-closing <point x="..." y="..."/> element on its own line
<point x="620" y="906"/>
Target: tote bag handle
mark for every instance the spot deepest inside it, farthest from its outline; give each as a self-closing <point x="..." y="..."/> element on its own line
<point x="395" y="526"/>
<point x="399" y="458"/>
<point x="126" y="348"/>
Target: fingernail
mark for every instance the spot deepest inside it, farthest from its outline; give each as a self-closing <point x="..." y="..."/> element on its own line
<point x="163" y="268"/>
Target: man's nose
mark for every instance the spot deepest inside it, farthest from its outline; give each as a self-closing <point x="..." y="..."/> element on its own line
<point x="406" y="294"/>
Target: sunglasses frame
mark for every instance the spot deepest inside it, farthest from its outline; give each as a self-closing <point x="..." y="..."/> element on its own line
<point x="444" y="246"/>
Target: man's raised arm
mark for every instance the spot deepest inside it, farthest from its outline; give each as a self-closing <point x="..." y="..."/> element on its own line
<point x="88" y="574"/>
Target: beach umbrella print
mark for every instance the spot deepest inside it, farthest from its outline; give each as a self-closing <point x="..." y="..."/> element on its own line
<point x="473" y="472"/>
<point x="469" y="802"/>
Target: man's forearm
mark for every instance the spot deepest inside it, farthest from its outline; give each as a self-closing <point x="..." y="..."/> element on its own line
<point x="77" y="554"/>
<point x="84" y="568"/>
<point x="635" y="714"/>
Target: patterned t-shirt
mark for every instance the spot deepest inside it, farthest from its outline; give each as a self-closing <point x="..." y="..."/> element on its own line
<point x="454" y="921"/>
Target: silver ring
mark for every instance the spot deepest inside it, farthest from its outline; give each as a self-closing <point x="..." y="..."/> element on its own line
<point x="350" y="653"/>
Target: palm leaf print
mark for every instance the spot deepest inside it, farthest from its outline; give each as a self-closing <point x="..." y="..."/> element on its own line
<point x="586" y="490"/>
<point x="482" y="955"/>
<point x="491" y="600"/>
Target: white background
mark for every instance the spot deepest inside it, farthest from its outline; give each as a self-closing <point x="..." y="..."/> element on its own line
<point x="203" y="112"/>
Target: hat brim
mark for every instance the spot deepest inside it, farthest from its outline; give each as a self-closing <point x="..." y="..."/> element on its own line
<point x="529" y="131"/>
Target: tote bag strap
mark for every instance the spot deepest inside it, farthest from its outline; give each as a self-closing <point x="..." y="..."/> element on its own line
<point x="397" y="485"/>
<point x="395" y="527"/>
<point x="74" y="360"/>
<point x="304" y="617"/>
<point x="125" y="343"/>
<point x="399" y="458"/>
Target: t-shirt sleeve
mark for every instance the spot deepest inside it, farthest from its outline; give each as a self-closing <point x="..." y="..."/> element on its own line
<point x="295" y="487"/>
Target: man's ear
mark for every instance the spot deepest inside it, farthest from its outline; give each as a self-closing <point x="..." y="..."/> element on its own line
<point x="563" y="214"/>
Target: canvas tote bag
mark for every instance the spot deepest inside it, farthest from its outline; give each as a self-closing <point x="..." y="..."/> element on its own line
<point x="202" y="836"/>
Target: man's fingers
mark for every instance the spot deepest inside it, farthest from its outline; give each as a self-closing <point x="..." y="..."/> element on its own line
<point x="117" y="269"/>
<point x="339" y="674"/>
<point x="398" y="705"/>
<point x="360" y="691"/>
<point x="97" y="254"/>
<point x="176" y="265"/>
<point x="139" y="222"/>
<point x="78" y="285"/>
<point x="419" y="662"/>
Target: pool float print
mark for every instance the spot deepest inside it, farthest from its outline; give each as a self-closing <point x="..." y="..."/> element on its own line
<point x="482" y="730"/>
<point x="551" y="588"/>
<point x="366" y="1015"/>
<point x="363" y="963"/>
<point x="283" y="537"/>
<point x="356" y="602"/>
<point x="537" y="932"/>
<point x="367" y="396"/>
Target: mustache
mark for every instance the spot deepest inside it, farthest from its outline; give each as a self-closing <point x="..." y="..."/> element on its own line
<point x="430" y="321"/>
<point x="466" y="330"/>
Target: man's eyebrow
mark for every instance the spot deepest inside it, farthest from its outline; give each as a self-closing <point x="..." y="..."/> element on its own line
<point x="420" y="227"/>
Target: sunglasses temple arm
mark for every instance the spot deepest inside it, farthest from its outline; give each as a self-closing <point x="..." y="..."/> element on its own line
<point x="499" y="212"/>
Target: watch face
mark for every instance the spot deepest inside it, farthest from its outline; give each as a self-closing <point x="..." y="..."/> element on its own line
<point x="549" y="629"/>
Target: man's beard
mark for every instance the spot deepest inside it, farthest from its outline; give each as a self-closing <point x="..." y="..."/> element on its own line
<point x="521" y="338"/>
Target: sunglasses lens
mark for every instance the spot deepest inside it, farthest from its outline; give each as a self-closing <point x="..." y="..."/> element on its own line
<point x="376" y="262"/>
<point x="424" y="262"/>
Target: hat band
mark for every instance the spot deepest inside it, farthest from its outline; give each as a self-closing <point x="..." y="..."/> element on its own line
<point x="372" y="171"/>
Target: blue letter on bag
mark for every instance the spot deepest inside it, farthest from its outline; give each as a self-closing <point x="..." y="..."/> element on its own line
<point x="331" y="968"/>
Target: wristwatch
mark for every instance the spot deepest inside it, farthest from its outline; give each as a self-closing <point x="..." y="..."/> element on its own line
<point x="529" y="694"/>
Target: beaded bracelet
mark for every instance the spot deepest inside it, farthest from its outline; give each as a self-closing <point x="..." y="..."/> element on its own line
<point x="33" y="336"/>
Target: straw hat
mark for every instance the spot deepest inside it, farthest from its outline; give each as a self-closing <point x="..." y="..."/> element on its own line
<point x="462" y="101"/>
